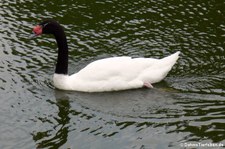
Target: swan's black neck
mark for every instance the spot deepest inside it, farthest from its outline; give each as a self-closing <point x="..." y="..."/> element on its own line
<point x="62" y="59"/>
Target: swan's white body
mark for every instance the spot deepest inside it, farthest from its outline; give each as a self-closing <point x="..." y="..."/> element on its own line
<point x="117" y="73"/>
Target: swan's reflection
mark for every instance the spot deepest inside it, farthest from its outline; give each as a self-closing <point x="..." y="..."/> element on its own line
<point x="108" y="116"/>
<point x="127" y="104"/>
<point x="49" y="138"/>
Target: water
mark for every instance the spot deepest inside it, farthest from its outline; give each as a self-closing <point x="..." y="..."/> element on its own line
<point x="187" y="107"/>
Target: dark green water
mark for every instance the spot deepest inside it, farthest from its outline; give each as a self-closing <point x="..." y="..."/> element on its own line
<point x="187" y="107"/>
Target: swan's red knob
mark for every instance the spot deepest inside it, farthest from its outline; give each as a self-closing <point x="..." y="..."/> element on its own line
<point x="37" y="30"/>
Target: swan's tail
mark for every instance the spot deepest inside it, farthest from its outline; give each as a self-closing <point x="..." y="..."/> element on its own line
<point x="160" y="69"/>
<point x="167" y="63"/>
<point x="170" y="60"/>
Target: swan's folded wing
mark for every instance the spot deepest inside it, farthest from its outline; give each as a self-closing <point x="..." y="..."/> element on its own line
<point x="124" y="68"/>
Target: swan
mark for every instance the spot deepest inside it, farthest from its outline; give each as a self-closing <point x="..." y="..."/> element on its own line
<point x="108" y="74"/>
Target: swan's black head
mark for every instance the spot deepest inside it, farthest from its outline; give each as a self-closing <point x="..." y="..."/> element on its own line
<point x="46" y="27"/>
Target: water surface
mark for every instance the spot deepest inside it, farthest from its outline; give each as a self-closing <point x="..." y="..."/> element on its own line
<point x="187" y="107"/>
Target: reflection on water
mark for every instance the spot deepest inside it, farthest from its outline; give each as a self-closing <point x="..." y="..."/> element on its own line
<point x="145" y="113"/>
<point x="188" y="106"/>
<point x="50" y="138"/>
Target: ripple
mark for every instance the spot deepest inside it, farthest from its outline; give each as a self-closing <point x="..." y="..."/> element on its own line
<point x="200" y="84"/>
<point x="186" y="107"/>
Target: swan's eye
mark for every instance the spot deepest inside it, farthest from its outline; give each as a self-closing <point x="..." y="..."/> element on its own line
<point x="45" y="25"/>
<point x="37" y="30"/>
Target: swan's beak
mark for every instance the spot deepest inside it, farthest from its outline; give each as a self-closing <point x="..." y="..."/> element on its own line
<point x="33" y="35"/>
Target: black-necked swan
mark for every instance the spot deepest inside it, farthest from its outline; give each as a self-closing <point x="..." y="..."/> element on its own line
<point x="108" y="74"/>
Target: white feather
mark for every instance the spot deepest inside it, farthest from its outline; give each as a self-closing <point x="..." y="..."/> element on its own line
<point x="117" y="73"/>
